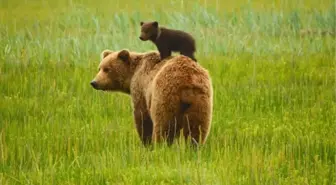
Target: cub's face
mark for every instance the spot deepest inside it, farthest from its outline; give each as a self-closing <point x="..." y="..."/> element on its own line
<point x="113" y="72"/>
<point x="149" y="30"/>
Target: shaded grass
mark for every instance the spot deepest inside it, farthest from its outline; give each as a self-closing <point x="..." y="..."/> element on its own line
<point x="274" y="94"/>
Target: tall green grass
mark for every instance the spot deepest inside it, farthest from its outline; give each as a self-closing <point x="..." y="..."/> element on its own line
<point x="274" y="93"/>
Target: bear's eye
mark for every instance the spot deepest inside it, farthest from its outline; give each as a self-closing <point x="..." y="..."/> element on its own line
<point x="106" y="70"/>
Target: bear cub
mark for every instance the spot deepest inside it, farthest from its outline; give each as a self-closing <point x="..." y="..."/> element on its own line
<point x="168" y="40"/>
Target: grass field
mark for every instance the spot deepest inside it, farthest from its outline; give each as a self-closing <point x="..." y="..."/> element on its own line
<point x="274" y="93"/>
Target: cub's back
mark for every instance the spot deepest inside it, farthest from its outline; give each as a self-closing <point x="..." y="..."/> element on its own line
<point x="177" y="38"/>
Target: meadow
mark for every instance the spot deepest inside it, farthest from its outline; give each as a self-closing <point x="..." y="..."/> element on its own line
<point x="274" y="93"/>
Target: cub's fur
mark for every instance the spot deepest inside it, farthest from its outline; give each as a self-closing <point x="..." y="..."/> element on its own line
<point x="168" y="40"/>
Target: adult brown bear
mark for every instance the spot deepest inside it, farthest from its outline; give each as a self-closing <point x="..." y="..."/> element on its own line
<point x="168" y="97"/>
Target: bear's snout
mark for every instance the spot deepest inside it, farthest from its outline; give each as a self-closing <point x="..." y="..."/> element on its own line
<point x="141" y="38"/>
<point x="94" y="84"/>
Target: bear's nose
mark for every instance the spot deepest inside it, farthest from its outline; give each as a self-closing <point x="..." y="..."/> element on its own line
<point x="94" y="84"/>
<point x="140" y="38"/>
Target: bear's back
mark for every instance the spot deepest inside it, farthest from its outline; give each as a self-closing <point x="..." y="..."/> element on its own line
<point x="176" y="72"/>
<point x="180" y="72"/>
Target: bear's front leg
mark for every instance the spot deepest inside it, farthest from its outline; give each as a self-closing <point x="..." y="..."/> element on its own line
<point x="164" y="53"/>
<point x="144" y="126"/>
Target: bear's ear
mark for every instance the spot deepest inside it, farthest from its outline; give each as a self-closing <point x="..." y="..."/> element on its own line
<point x="105" y="53"/>
<point x="155" y="24"/>
<point x="124" y="55"/>
<point x="141" y="23"/>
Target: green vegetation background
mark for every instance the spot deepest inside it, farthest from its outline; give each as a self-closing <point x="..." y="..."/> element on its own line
<point x="274" y="93"/>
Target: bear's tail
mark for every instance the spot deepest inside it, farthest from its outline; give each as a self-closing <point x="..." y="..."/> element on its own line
<point x="197" y="114"/>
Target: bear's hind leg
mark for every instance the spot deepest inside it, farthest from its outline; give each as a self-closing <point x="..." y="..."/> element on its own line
<point x="166" y="121"/>
<point x="166" y="132"/>
<point x="189" y="54"/>
<point x="197" y="122"/>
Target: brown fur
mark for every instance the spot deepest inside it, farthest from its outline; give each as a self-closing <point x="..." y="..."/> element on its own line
<point x="168" y="97"/>
<point x="168" y="40"/>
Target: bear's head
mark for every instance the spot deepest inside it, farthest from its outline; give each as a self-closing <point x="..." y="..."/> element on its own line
<point x="115" y="71"/>
<point x="149" y="30"/>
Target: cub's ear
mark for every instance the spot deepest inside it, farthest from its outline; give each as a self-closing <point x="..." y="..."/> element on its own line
<point x="141" y="23"/>
<point x="105" y="53"/>
<point x="124" y="55"/>
<point x="155" y="24"/>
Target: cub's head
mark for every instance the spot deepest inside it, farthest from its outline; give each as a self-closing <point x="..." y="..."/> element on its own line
<point x="149" y="30"/>
<point x="114" y="72"/>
